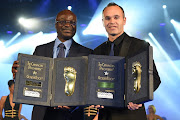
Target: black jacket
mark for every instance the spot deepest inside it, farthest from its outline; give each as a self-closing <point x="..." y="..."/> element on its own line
<point x="49" y="113"/>
<point x="125" y="46"/>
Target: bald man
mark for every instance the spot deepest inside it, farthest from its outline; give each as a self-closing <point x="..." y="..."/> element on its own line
<point x="66" y="28"/>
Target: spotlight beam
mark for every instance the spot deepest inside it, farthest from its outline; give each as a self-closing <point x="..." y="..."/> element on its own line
<point x="176" y="26"/>
<point x="175" y="41"/>
<point x="166" y="15"/>
<point x="11" y="40"/>
<point x="164" y="53"/>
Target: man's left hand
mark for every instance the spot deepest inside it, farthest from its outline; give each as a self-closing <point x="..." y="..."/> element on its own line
<point x="132" y="106"/>
<point x="96" y="106"/>
<point x="62" y="107"/>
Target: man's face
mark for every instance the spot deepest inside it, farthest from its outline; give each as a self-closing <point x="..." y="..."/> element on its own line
<point x="65" y="25"/>
<point x="114" y="20"/>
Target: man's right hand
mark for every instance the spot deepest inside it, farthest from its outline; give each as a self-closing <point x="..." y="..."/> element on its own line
<point x="14" y="68"/>
<point x="62" y="107"/>
<point x="96" y="106"/>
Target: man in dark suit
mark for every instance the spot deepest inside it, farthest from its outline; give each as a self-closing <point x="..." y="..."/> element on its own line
<point x="120" y="44"/>
<point x="66" y="29"/>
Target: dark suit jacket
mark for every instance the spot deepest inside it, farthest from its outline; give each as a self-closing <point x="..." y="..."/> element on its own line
<point x="130" y="46"/>
<point x="49" y="113"/>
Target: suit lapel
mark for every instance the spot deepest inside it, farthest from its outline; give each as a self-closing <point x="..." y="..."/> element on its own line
<point x="50" y="50"/>
<point x="125" y="46"/>
<point x="73" y="49"/>
<point x="105" y="50"/>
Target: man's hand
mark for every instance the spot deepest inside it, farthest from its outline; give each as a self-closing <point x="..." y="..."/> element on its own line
<point x="62" y="107"/>
<point x="132" y="106"/>
<point x="14" y="68"/>
<point x="96" y="106"/>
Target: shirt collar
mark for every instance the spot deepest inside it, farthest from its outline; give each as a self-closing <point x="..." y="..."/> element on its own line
<point x="118" y="40"/>
<point x="67" y="43"/>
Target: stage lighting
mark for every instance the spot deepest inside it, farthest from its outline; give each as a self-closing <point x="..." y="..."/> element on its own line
<point x="11" y="40"/>
<point x="9" y="32"/>
<point x="2" y="47"/>
<point x="1" y="43"/>
<point x="164" y="53"/>
<point x="83" y="25"/>
<point x="84" y="32"/>
<point x="95" y="27"/>
<point x="176" y="26"/>
<point x="21" y="20"/>
<point x="162" y="24"/>
<point x="164" y="6"/>
<point x="53" y="32"/>
<point x="30" y="32"/>
<point x="69" y="7"/>
<point x="175" y="41"/>
<point x="28" y="23"/>
<point x="172" y="21"/>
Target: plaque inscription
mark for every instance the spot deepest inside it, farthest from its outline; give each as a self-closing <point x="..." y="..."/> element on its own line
<point x="106" y="68"/>
<point x="106" y="79"/>
<point x="34" y="71"/>
<point x="33" y="83"/>
<point x="32" y="92"/>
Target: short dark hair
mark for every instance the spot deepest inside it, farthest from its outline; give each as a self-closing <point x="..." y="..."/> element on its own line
<point x="114" y="4"/>
<point x="10" y="83"/>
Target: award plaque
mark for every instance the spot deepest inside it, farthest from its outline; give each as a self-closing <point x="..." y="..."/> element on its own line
<point x="115" y="81"/>
<point x="95" y="79"/>
<point x="106" y="80"/>
<point x="33" y="80"/>
<point x="139" y="77"/>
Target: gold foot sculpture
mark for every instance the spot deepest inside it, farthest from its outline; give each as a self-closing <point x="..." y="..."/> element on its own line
<point x="70" y="78"/>
<point x="136" y="71"/>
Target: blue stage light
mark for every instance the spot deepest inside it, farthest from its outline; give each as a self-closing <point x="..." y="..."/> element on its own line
<point x="162" y="24"/>
<point x="83" y="25"/>
<point x="9" y="32"/>
<point x="53" y="32"/>
<point x="30" y="32"/>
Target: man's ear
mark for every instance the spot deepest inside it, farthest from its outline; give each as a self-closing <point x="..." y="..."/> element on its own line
<point x="103" y="22"/>
<point x="124" y="20"/>
<point x="55" y="25"/>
